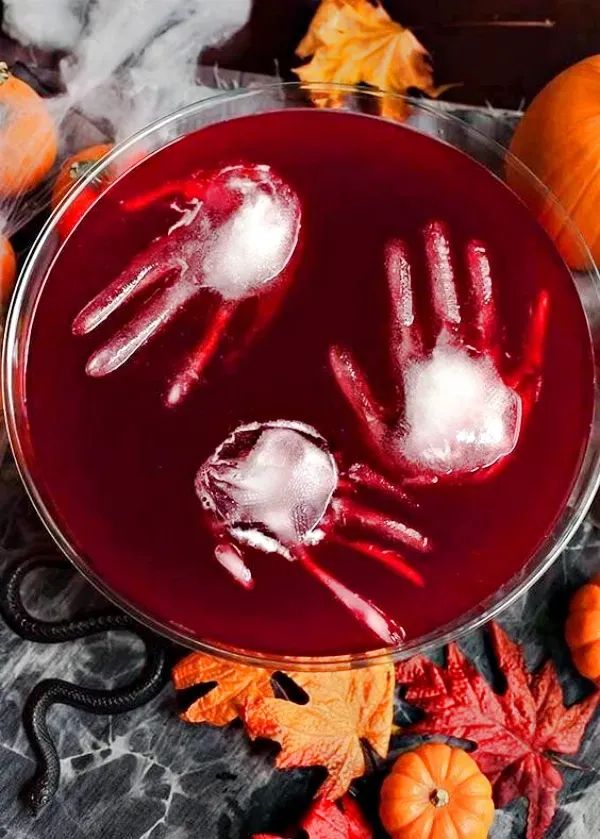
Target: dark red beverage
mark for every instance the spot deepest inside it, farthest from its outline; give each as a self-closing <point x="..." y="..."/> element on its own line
<point x="118" y="466"/>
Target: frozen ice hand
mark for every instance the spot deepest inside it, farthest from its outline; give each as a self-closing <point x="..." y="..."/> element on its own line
<point x="460" y="407"/>
<point x="275" y="487"/>
<point x="236" y="234"/>
<point x="281" y="485"/>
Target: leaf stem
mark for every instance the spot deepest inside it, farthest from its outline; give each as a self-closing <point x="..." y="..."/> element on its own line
<point x="569" y="764"/>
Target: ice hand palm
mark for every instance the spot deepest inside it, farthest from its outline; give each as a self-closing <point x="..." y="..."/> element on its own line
<point x="459" y="414"/>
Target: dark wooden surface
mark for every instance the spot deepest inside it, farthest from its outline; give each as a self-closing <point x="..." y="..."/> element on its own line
<point x="499" y="51"/>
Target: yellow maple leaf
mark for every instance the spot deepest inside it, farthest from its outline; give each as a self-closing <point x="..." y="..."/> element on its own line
<point x="353" y="41"/>
<point x="343" y="708"/>
<point x="235" y="685"/>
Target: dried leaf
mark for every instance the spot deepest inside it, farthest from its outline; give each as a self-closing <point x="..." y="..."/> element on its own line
<point x="235" y="684"/>
<point x="514" y="731"/>
<point x="353" y="41"/>
<point x="342" y="709"/>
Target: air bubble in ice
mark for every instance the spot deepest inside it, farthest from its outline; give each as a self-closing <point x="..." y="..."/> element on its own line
<point x="280" y="486"/>
<point x="460" y="415"/>
<point x="255" y="243"/>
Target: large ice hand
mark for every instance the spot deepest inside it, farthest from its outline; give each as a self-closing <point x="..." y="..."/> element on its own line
<point x="460" y="408"/>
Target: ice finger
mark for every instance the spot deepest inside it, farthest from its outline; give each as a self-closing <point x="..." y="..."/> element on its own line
<point x="441" y="273"/>
<point x="526" y="379"/>
<point x="353" y="514"/>
<point x="482" y="294"/>
<point x="535" y="341"/>
<point x="363" y="610"/>
<point x="405" y="336"/>
<point x="185" y="190"/>
<point x="353" y="384"/>
<point x="387" y="557"/>
<point x="158" y="312"/>
<point x="362" y="475"/>
<point x="201" y="356"/>
<point x="139" y="276"/>
<point x="230" y="557"/>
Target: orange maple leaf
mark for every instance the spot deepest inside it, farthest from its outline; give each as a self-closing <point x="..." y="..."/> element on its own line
<point x="353" y="41"/>
<point x="343" y="708"/>
<point x="235" y="684"/>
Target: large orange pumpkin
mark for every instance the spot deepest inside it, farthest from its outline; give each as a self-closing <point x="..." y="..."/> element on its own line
<point x="559" y="140"/>
<point x="583" y="629"/>
<point x="436" y="792"/>
<point x="28" y="137"/>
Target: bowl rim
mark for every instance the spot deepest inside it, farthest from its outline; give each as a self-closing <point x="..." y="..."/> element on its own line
<point x="492" y="606"/>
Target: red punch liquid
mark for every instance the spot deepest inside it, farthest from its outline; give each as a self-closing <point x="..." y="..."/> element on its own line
<point x="117" y="467"/>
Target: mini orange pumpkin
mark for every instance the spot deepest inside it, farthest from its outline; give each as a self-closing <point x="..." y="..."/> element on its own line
<point x="583" y="629"/>
<point x="559" y="140"/>
<point x="8" y="270"/>
<point x="28" y="137"/>
<point x="74" y="168"/>
<point x="435" y="792"/>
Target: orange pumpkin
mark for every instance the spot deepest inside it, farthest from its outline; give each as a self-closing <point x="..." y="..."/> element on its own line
<point x="583" y="629"/>
<point x="28" y="137"/>
<point x="74" y="168"/>
<point x="559" y="140"/>
<point x="8" y="270"/>
<point x="435" y="792"/>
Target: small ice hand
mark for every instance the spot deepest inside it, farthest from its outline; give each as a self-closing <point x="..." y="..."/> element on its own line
<point x="234" y="240"/>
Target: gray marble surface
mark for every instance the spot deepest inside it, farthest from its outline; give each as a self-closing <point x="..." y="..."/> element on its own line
<point x="146" y="775"/>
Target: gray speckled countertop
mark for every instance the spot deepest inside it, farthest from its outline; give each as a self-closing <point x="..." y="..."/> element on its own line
<point x="146" y="775"/>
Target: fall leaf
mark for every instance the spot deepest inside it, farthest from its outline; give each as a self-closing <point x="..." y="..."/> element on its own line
<point x="342" y="708"/>
<point x="235" y="684"/>
<point x="515" y="731"/>
<point x="353" y="41"/>
<point x="331" y="820"/>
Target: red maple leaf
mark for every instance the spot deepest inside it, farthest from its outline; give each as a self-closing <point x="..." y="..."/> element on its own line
<point x="515" y="732"/>
<point x="331" y="820"/>
<point x="342" y="820"/>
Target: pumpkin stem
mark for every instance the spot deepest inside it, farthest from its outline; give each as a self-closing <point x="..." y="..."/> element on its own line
<point x="439" y="797"/>
<point x="80" y="168"/>
<point x="4" y="72"/>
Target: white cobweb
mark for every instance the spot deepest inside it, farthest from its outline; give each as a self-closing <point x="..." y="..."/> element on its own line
<point x="460" y="415"/>
<point x="128" y="63"/>
<point x="281" y="485"/>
